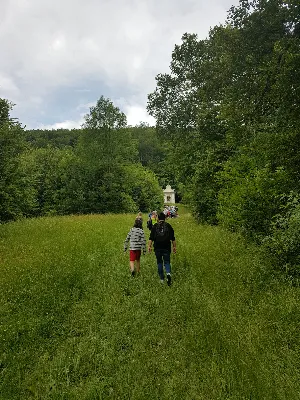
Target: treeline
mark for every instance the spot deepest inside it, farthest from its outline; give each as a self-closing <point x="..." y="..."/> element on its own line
<point x="230" y="108"/>
<point x="104" y="167"/>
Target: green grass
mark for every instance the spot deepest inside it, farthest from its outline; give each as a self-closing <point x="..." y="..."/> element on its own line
<point x="75" y="325"/>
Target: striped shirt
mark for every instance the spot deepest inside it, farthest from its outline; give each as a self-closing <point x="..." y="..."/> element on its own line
<point x="136" y="239"/>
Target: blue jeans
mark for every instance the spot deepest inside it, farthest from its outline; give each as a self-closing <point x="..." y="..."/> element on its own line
<point x="163" y="259"/>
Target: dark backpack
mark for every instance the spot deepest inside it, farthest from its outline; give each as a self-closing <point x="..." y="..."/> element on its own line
<point x="162" y="232"/>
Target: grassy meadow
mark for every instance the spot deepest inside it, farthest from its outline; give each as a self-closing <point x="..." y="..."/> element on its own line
<point x="75" y="325"/>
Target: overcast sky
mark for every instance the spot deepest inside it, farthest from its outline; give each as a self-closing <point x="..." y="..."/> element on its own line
<point x="59" y="56"/>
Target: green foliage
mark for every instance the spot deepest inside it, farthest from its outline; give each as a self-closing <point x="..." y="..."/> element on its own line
<point x="106" y="148"/>
<point x="230" y="105"/>
<point x="142" y="185"/>
<point x="202" y="195"/>
<point x="104" y="152"/>
<point x="105" y="115"/>
<point x="255" y="181"/>
<point x="105" y="192"/>
<point x="174" y="102"/>
<point x="5" y="108"/>
<point x="91" y="170"/>
<point x="151" y="149"/>
<point x="157" y="154"/>
<point x="283" y="240"/>
<point x="58" y="138"/>
<point x="49" y="174"/>
<point x="12" y="143"/>
<point x="204" y="185"/>
<point x="187" y="113"/>
<point x="249" y="197"/>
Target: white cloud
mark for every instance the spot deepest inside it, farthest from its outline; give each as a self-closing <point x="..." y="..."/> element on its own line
<point x="137" y="114"/>
<point x="63" y="125"/>
<point x="120" y="45"/>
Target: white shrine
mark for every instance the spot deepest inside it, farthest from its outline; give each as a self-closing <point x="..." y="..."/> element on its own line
<point x="169" y="195"/>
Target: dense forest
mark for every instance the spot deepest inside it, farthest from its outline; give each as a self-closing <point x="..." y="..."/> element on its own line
<point x="104" y="167"/>
<point x="226" y="137"/>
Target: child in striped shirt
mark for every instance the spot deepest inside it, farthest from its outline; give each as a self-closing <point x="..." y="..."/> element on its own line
<point x="137" y="243"/>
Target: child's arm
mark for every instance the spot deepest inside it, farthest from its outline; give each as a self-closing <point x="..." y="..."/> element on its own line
<point x="127" y="240"/>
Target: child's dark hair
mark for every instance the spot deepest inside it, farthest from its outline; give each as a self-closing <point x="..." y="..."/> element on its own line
<point x="137" y="223"/>
<point x="161" y="216"/>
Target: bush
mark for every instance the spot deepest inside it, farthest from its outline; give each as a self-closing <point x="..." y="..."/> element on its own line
<point x="202" y="192"/>
<point x="250" y="197"/>
<point x="142" y="185"/>
<point x="283" y="242"/>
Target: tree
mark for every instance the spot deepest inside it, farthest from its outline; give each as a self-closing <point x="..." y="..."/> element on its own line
<point x="55" y="179"/>
<point x="105" y="141"/>
<point x="105" y="147"/>
<point x="12" y="144"/>
<point x="142" y="186"/>
<point x="58" y="138"/>
<point x="186" y="105"/>
<point x="243" y="79"/>
<point x="5" y="108"/>
<point x="104" y="115"/>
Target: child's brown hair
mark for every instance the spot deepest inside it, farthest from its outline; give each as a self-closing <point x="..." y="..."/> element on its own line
<point x="137" y="223"/>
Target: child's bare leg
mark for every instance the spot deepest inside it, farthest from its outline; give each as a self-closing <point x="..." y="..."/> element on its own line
<point x="131" y="266"/>
<point x="138" y="265"/>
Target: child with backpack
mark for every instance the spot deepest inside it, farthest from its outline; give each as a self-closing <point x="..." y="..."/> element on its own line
<point x="162" y="234"/>
<point x="137" y="243"/>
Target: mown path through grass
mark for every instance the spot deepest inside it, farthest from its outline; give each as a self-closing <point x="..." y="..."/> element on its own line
<point x="75" y="325"/>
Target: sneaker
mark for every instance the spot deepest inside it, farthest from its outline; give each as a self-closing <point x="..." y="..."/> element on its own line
<point x="169" y="279"/>
<point x="162" y="281"/>
<point x="133" y="274"/>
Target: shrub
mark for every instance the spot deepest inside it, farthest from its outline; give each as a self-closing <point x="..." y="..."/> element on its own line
<point x="142" y="185"/>
<point x="202" y="192"/>
<point x="283" y="241"/>
<point x="250" y="197"/>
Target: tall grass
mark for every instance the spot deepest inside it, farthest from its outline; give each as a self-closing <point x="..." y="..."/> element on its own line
<point x="75" y="325"/>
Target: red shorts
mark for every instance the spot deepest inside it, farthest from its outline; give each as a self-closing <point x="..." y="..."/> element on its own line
<point x="135" y="255"/>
